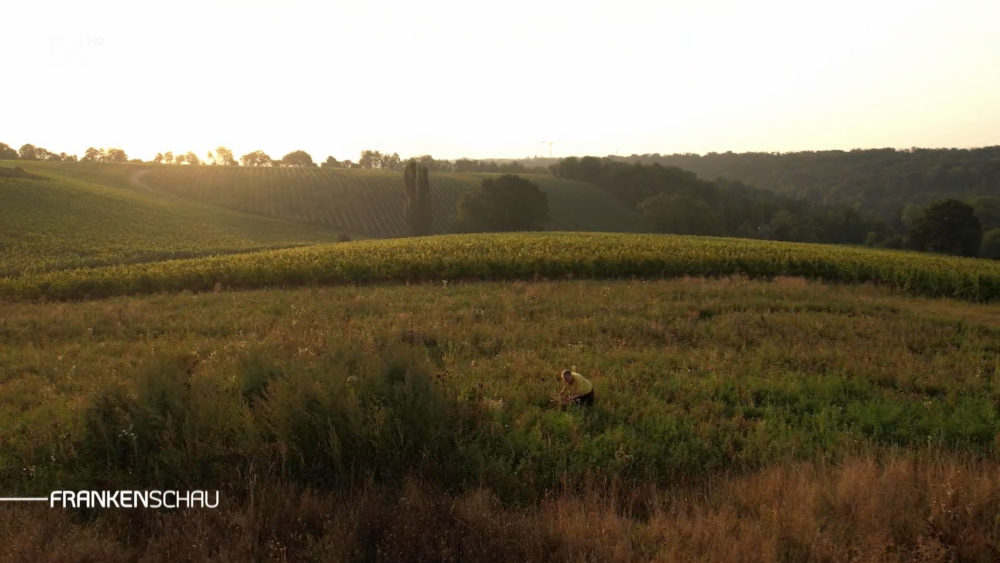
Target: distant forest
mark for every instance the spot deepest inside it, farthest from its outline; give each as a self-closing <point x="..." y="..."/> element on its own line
<point x="871" y="178"/>
<point x="885" y="180"/>
<point x="867" y="197"/>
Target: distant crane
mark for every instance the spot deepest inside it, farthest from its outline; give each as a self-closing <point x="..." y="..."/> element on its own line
<point x="549" y="143"/>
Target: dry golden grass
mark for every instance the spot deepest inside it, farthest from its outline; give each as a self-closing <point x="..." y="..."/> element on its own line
<point x="902" y="507"/>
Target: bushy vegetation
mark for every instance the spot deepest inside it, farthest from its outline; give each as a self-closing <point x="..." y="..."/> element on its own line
<point x="502" y="204"/>
<point x="525" y="256"/>
<point x="352" y="417"/>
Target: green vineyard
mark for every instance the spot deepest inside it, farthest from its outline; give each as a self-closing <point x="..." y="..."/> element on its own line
<point x="84" y="214"/>
<point x="525" y="256"/>
<point x="370" y="202"/>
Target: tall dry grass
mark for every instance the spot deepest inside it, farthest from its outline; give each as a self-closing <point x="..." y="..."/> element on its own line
<point x="901" y="507"/>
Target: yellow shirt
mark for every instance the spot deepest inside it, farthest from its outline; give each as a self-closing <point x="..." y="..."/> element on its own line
<point x="580" y="386"/>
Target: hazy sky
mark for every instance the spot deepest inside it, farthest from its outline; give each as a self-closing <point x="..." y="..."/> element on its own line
<point x="494" y="79"/>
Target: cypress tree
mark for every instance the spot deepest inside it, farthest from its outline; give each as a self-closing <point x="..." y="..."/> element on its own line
<point x="425" y="211"/>
<point x="412" y="209"/>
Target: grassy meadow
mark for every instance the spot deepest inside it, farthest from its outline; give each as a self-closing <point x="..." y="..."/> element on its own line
<point x="736" y="420"/>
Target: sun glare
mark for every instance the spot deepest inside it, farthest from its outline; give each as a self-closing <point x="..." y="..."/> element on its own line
<point x="459" y="80"/>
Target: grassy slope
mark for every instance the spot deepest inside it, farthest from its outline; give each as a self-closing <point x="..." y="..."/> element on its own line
<point x="371" y="201"/>
<point x="89" y="214"/>
<point x="694" y="378"/>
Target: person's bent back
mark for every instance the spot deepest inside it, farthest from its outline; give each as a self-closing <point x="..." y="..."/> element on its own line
<point x="577" y="389"/>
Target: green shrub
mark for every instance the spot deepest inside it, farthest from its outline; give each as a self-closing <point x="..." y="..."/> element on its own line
<point x="311" y="423"/>
<point x="377" y="417"/>
<point x="174" y="430"/>
<point x="405" y="413"/>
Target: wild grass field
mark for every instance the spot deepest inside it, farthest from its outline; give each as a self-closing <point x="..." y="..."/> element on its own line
<point x="83" y="215"/>
<point x="370" y="201"/>
<point x="736" y="420"/>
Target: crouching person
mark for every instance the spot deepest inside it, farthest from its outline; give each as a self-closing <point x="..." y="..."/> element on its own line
<point x="576" y="390"/>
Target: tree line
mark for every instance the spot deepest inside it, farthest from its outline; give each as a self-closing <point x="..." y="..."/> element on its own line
<point x="375" y="160"/>
<point x="31" y="152"/>
<point x="222" y="156"/>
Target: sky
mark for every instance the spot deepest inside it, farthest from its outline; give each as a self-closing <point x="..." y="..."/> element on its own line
<point x="454" y="78"/>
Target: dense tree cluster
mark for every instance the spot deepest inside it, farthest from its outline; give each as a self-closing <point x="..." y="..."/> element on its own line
<point x="883" y="180"/>
<point x="224" y="157"/>
<point x="104" y="155"/>
<point x="501" y="204"/>
<point x="948" y="227"/>
<point x="332" y="162"/>
<point x="677" y="201"/>
<point x="256" y="158"/>
<point x="374" y="160"/>
<point x="296" y="159"/>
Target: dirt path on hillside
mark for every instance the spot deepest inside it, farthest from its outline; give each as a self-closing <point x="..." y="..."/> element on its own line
<point x="135" y="179"/>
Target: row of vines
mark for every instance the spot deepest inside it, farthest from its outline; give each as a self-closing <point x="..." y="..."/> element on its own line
<point x="525" y="256"/>
<point x="370" y="202"/>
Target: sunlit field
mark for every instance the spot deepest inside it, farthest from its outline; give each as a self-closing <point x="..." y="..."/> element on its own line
<point x="524" y="256"/>
<point x="735" y="420"/>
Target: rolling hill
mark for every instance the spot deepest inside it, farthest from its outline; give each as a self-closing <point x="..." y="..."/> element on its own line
<point x="524" y="256"/>
<point x="83" y="214"/>
<point x="370" y="202"/>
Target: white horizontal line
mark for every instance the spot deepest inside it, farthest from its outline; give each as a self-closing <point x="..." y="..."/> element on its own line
<point x="24" y="499"/>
